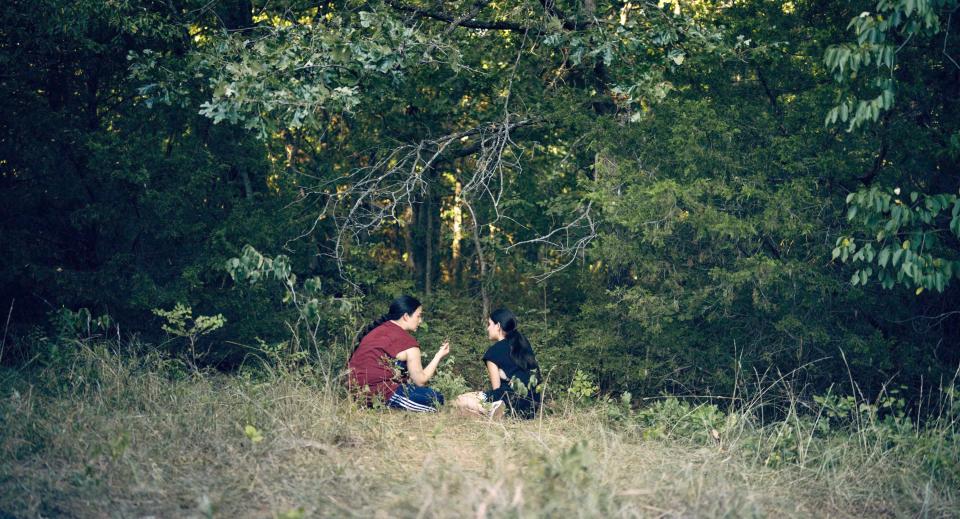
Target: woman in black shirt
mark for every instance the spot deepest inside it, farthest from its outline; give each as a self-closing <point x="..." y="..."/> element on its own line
<point x="513" y="371"/>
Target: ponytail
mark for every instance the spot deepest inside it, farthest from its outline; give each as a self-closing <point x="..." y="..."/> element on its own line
<point x="521" y="353"/>
<point x="399" y="307"/>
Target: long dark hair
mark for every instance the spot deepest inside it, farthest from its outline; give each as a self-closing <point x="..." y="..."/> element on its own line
<point x="521" y="353"/>
<point x="398" y="308"/>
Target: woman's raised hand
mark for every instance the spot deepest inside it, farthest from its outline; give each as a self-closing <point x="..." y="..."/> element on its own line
<point x="444" y="349"/>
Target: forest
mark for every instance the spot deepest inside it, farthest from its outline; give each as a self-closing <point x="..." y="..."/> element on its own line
<point x="704" y="213"/>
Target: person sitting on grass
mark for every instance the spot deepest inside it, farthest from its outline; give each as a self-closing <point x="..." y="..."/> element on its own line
<point x="513" y="371"/>
<point x="386" y="361"/>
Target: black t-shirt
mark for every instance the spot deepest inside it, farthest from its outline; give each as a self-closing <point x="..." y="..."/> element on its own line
<point x="522" y="406"/>
<point x="499" y="354"/>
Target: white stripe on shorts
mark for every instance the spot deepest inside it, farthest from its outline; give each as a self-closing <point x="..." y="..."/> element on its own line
<point x="408" y="404"/>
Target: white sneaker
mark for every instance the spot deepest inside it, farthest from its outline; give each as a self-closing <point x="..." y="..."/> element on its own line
<point x="496" y="409"/>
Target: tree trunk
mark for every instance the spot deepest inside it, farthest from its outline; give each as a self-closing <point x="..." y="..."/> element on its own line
<point x="406" y="223"/>
<point x="93" y="99"/>
<point x="428" y="266"/>
<point x="418" y="241"/>
<point x="475" y="227"/>
<point x="425" y="237"/>
<point x="424" y="242"/>
<point x="455" y="249"/>
<point x="247" y="186"/>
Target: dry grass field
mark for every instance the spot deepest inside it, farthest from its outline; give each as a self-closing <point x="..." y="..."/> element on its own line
<point x="113" y="437"/>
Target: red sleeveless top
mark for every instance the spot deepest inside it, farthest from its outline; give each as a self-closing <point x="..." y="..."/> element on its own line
<point x="373" y="364"/>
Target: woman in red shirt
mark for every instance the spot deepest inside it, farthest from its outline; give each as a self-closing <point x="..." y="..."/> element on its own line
<point x="386" y="362"/>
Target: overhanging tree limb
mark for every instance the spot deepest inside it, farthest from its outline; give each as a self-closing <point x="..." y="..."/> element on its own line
<point x="371" y="196"/>
<point x="463" y="21"/>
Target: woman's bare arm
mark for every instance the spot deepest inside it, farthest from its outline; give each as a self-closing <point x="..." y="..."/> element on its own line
<point x="494" y="371"/>
<point x="420" y="374"/>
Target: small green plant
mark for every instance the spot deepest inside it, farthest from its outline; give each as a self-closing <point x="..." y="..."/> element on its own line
<point x="672" y="418"/>
<point x="570" y="469"/>
<point x="253" y="434"/>
<point x="280" y="353"/>
<point x="295" y="513"/>
<point x="889" y="410"/>
<point x="180" y="322"/>
<point x="780" y="443"/>
<point x="619" y="409"/>
<point x="448" y="382"/>
<point x="522" y="389"/>
<point x="69" y="328"/>
<point x="79" y="324"/>
<point x="317" y="314"/>
<point x="582" y="388"/>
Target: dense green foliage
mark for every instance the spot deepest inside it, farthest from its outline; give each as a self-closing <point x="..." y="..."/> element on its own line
<point x="651" y="186"/>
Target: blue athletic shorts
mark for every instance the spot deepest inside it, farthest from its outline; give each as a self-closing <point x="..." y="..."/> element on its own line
<point x="415" y="398"/>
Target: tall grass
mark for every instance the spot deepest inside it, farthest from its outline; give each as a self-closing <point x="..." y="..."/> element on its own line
<point x="136" y="435"/>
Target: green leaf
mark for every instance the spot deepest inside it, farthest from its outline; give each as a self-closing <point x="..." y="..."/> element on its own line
<point x="253" y="434"/>
<point x="884" y="257"/>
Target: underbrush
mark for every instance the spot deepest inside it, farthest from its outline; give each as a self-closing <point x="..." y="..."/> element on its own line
<point x="106" y="433"/>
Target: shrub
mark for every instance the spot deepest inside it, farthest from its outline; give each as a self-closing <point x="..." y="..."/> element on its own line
<point x="675" y="419"/>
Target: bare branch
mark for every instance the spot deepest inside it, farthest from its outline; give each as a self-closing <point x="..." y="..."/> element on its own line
<point x="480" y="4"/>
<point x="368" y="197"/>
<point x="487" y="179"/>
<point x="946" y="35"/>
<point x="567" y="242"/>
<point x="467" y="22"/>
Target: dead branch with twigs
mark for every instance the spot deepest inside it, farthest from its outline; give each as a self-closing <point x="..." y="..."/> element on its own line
<point x="369" y="197"/>
<point x="566" y="243"/>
